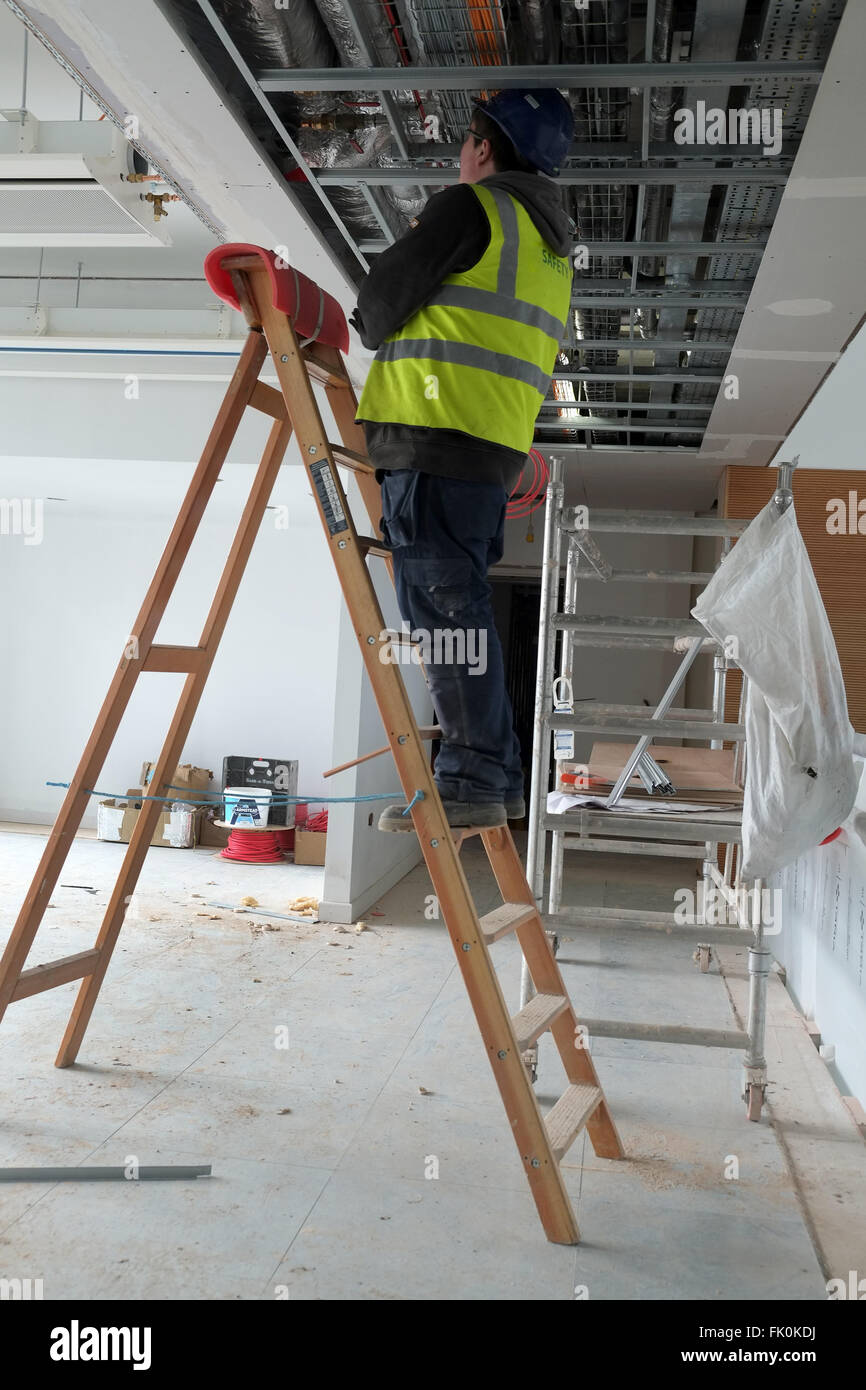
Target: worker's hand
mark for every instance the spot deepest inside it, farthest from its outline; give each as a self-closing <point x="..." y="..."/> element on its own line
<point x="355" y="321"/>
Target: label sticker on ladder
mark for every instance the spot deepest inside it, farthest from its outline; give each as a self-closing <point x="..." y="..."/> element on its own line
<point x="563" y="703"/>
<point x="329" y="498"/>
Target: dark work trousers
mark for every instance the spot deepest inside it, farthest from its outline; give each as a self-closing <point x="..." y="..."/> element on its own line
<point x="445" y="535"/>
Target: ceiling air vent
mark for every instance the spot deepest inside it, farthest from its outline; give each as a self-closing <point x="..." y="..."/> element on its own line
<point x="64" y="183"/>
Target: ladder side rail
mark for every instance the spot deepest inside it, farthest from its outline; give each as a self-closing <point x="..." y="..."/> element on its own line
<point x="547" y="979"/>
<point x="434" y="833"/>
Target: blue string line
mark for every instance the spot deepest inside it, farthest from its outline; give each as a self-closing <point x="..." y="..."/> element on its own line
<point x="308" y="800"/>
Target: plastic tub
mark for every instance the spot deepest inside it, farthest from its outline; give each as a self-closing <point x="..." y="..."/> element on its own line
<point x="247" y="806"/>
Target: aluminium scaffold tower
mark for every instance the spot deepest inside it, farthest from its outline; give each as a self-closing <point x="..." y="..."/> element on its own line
<point x="611" y="828"/>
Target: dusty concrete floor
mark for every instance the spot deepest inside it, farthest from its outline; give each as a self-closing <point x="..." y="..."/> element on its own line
<point x="370" y="1158"/>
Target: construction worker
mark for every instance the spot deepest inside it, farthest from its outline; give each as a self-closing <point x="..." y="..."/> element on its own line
<point x="466" y="313"/>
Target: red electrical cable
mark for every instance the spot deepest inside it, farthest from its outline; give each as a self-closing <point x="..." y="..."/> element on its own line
<point x="253" y="847"/>
<point x="525" y="503"/>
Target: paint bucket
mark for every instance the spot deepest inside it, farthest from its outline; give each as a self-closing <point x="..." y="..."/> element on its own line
<point x="247" y="806"/>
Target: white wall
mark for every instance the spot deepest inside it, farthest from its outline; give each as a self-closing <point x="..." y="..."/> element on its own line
<point x="823" y="939"/>
<point x="363" y="862"/>
<point x="829" y="434"/>
<point x="74" y="598"/>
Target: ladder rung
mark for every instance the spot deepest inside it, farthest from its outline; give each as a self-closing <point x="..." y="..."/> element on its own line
<point x="55" y="972"/>
<point x="666" y="1033"/>
<point x="506" y="918"/>
<point x="372" y="545"/>
<point x="536" y="1017"/>
<point x="691" y="577"/>
<point x="268" y="400"/>
<point x="569" y="1115"/>
<point x="665" y="849"/>
<point x="662" y="523"/>
<point x="320" y="370"/>
<point x="666" y="727"/>
<point x="349" y="458"/>
<point x="174" y="659"/>
<point x="626" y="627"/>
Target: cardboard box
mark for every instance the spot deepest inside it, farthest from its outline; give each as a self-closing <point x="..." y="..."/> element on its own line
<point x="279" y="775"/>
<point x="116" y="820"/>
<point x="214" y="836"/>
<point x="186" y="779"/>
<point x="310" y="846"/>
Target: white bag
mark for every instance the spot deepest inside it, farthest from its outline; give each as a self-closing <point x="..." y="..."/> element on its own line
<point x="800" y="775"/>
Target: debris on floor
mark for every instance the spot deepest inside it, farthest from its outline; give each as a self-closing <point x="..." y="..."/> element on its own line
<point x="305" y="907"/>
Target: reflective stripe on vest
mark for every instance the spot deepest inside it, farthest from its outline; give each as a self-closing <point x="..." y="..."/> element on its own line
<point x="465" y="355"/>
<point x="478" y="356"/>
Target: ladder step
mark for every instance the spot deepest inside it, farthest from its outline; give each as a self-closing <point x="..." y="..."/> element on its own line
<point x="325" y="372"/>
<point x="536" y="1017"/>
<point x="174" y="659"/>
<point x="349" y="458"/>
<point x="268" y="400"/>
<point x="506" y="918"/>
<point x="372" y="545"/>
<point x="55" y="972"/>
<point x="569" y="1115"/>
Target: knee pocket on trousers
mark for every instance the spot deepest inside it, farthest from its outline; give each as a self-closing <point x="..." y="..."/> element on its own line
<point x="400" y="507"/>
<point x="451" y="585"/>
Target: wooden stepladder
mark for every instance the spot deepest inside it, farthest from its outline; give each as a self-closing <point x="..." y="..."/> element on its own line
<point x="274" y="307"/>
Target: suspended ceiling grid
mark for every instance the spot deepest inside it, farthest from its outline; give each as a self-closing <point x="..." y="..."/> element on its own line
<point x="358" y="152"/>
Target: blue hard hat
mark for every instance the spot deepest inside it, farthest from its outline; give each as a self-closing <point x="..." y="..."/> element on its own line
<point x="537" y="120"/>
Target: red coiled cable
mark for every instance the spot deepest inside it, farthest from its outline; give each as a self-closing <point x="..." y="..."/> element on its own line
<point x="253" y="847"/>
<point x="529" y="501"/>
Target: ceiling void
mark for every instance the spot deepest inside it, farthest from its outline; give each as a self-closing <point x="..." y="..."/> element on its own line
<point x="697" y="329"/>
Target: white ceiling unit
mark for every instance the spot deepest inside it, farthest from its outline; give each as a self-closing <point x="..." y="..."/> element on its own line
<point x="65" y="183"/>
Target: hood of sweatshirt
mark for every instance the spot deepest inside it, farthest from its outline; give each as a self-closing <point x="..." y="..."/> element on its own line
<point x="541" y="198"/>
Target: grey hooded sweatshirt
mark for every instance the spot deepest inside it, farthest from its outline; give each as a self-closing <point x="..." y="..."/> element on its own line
<point x="450" y="236"/>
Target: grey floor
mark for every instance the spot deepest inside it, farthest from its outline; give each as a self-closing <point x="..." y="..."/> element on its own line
<point x="370" y="1158"/>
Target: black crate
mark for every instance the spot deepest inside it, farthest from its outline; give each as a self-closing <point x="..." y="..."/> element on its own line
<point x="279" y="775"/>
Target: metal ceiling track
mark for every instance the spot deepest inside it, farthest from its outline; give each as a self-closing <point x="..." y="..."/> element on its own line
<point x="588" y="75"/>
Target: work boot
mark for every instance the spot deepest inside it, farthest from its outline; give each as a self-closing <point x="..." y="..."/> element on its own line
<point x="515" y="807"/>
<point x="462" y="815"/>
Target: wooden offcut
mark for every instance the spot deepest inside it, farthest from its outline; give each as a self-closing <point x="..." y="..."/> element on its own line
<point x="696" y="773"/>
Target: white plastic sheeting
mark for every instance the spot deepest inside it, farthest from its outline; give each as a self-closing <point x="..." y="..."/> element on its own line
<point x="764" y="606"/>
<point x="821" y="914"/>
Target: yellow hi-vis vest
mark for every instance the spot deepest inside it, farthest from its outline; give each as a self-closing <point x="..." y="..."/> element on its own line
<point x="479" y="355"/>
